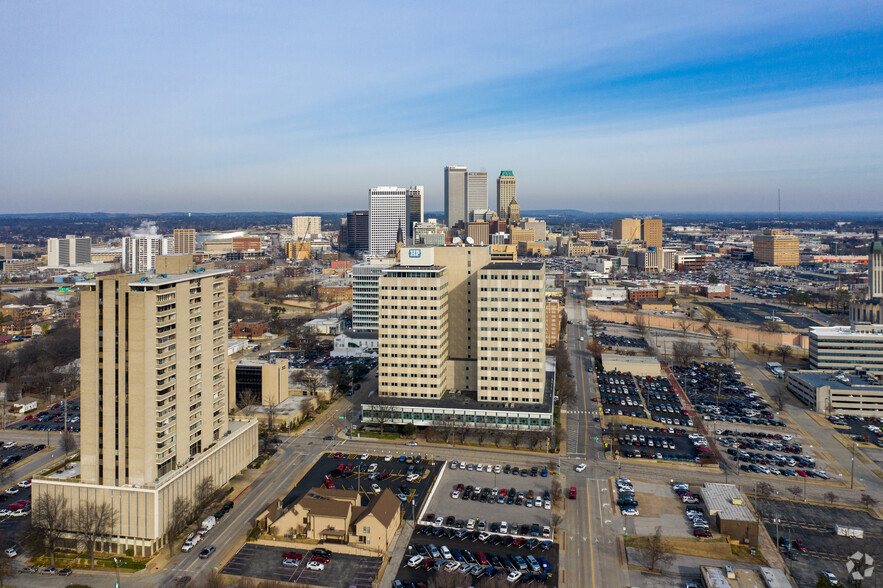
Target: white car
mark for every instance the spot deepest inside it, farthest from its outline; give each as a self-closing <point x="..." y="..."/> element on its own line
<point x="187" y="546"/>
<point x="364" y="456"/>
<point x="538" y="502"/>
<point x="315" y="566"/>
<point x="630" y="512"/>
<point x="504" y="527"/>
<point x="498" y="469"/>
<point x="415" y="561"/>
<point x="446" y="553"/>
<point x="462" y="465"/>
<point x="375" y="488"/>
<point x="8" y="444"/>
<point x="12" y="490"/>
<point x="11" y="552"/>
<point x="413" y="477"/>
<point x="479" y="467"/>
<point x="581" y="467"/>
<point x="438" y="522"/>
<point x="547" y="504"/>
<point x="455" y="494"/>
<point x="24" y="484"/>
<point x="451" y="566"/>
<point x="372" y="468"/>
<point x="489" y="469"/>
<point x="454" y="464"/>
<point x="516" y="575"/>
<point x="387" y="458"/>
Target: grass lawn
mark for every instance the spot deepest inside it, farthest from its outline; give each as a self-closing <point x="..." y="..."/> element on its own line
<point x="80" y="562"/>
<point x="718" y="548"/>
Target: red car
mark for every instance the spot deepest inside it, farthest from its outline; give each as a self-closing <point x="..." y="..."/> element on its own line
<point x="595" y="399"/>
<point x="459" y="487"/>
<point x="349" y="467"/>
<point x="482" y="559"/>
<point x="293" y="555"/>
<point x="701" y="533"/>
<point x="572" y="493"/>
<point x="337" y="455"/>
<point x="321" y="558"/>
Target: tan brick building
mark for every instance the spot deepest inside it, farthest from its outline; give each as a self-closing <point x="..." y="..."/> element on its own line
<point x="775" y="247"/>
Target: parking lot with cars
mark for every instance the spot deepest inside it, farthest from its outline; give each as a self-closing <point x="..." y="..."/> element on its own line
<point x="661" y="443"/>
<point x="718" y="393"/>
<point x="530" y="562"/>
<point x="315" y="567"/>
<point x="408" y="475"/>
<point x="492" y="493"/>
<point x="611" y="341"/>
<point x="807" y="539"/>
<point x="52" y="418"/>
<point x="868" y="429"/>
<point x="768" y="452"/>
<point x="622" y="394"/>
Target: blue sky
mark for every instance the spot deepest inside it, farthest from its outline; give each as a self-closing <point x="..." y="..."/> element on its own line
<point x="294" y="106"/>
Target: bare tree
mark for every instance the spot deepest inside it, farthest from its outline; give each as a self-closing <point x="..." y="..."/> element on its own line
<point x="795" y="491"/>
<point x="557" y="491"/>
<point x="684" y="326"/>
<point x="445" y="579"/>
<point x="784" y="353"/>
<point x="50" y="518"/>
<point x="311" y="379"/>
<point x="765" y="489"/>
<point x="205" y="494"/>
<point x="213" y="580"/>
<point x="830" y="497"/>
<point x="657" y="556"/>
<point x="641" y="324"/>
<point x="6" y="570"/>
<point x="868" y="501"/>
<point x="707" y="317"/>
<point x="566" y="389"/>
<point x="778" y="397"/>
<point x="725" y="334"/>
<point x="595" y="325"/>
<point x="247" y="400"/>
<point x="771" y="327"/>
<point x="686" y="352"/>
<point x="94" y="523"/>
<point x="384" y="410"/>
<point x="182" y="508"/>
<point x="67" y="442"/>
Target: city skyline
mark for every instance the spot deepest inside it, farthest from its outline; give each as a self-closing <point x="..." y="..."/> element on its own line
<point x="212" y="107"/>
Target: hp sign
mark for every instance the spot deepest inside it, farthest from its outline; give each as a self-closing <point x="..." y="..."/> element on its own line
<point x="413" y="253"/>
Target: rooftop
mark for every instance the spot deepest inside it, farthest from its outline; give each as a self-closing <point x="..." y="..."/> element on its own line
<point x="515" y="265"/>
<point x="167" y="279"/>
<point x="856" y="330"/>
<point x="726" y="501"/>
<point x="353" y="334"/>
<point x="818" y="378"/>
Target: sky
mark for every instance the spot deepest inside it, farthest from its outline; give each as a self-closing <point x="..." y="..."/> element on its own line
<point x="600" y="106"/>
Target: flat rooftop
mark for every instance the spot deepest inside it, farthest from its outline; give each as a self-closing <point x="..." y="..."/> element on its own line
<point x="719" y="499"/>
<point x="859" y="330"/>
<point x="818" y="378"/>
<point x="514" y="265"/>
<point x="468" y="400"/>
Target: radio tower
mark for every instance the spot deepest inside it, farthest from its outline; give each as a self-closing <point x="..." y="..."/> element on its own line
<point x="780" y="205"/>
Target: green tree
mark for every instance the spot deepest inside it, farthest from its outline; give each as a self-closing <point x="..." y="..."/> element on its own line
<point x="712" y="279"/>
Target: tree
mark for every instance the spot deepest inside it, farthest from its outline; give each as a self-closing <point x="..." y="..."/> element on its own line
<point x="685" y="353"/>
<point x="384" y="410"/>
<point x="67" y="442"/>
<point x="823" y="582"/>
<point x="830" y="497"/>
<point x="340" y="377"/>
<point x="778" y="397"/>
<point x="684" y="326"/>
<point x="795" y="491"/>
<point x="641" y="325"/>
<point x="183" y="509"/>
<point x="725" y="334"/>
<point x="595" y="325"/>
<point x="213" y="579"/>
<point x="566" y="389"/>
<point x="765" y="489"/>
<point x="784" y="353"/>
<point x="95" y="522"/>
<point x="50" y="518"/>
<point x="409" y="430"/>
<point x="557" y="491"/>
<point x="868" y="501"/>
<point x="205" y="494"/>
<point x="445" y="579"/>
<point x="311" y="379"/>
<point x="359" y="370"/>
<point x="771" y="327"/>
<point x="657" y="556"/>
<point x="712" y="278"/>
<point x="594" y="348"/>
<point x="562" y="329"/>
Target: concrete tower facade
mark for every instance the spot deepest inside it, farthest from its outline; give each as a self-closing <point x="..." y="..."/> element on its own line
<point x="505" y="193"/>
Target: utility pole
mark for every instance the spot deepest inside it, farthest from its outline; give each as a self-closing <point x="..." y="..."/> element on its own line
<point x="852" y="466"/>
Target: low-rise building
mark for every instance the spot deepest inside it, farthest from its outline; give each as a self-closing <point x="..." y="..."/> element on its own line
<point x="257" y="382"/>
<point x="838" y="392"/>
<point x="553" y="322"/>
<point x="355" y="344"/>
<point x="725" y="503"/>
<point x="637" y="365"/>
<point x="325" y="326"/>
<point x="24" y="404"/>
<point x="855" y="347"/>
<point x="249" y="329"/>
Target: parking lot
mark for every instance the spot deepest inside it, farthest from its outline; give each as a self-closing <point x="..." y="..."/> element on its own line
<point x="265" y="562"/>
<point x="492" y="510"/>
<point x="822" y="550"/>
<point x="52" y="419"/>
<point x="754" y="314"/>
<point x="647" y="442"/>
<point x="622" y="394"/>
<point x="858" y="428"/>
<point x="660" y="506"/>
<point x="474" y="557"/>
<point x="391" y="473"/>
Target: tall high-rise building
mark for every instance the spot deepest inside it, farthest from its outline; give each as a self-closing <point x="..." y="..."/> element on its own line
<point x="154" y="401"/>
<point x="184" y="241"/>
<point x="390" y="209"/>
<point x="775" y="247"/>
<point x="301" y="226"/>
<point x="651" y="232"/>
<point x="69" y="251"/>
<point x="875" y="268"/>
<point x="140" y="252"/>
<point x="455" y="195"/>
<point x="626" y="228"/>
<point x="479" y="232"/>
<point x="505" y="193"/>
<point x="476" y="192"/>
<point x="415" y="210"/>
<point x="357" y="231"/>
<point x="514" y="212"/>
<point x="365" y="285"/>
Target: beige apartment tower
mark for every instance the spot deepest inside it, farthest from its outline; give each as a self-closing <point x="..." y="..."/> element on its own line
<point x="651" y="232"/>
<point x="626" y="228"/>
<point x="154" y="373"/>
<point x="505" y="193"/>
<point x="775" y="247"/>
<point x="512" y="338"/>
<point x="413" y="332"/>
<point x="184" y="241"/>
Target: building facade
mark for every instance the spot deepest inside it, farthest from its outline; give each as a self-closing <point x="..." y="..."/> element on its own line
<point x="455" y="195"/>
<point x="505" y="193"/>
<point x="838" y="392"/>
<point x="365" y="294"/>
<point x="184" y="241"/>
<point x="301" y="226"/>
<point x="391" y="210"/>
<point x="855" y="347"/>
<point x="476" y="192"/>
<point x="775" y="247"/>
<point x="626" y="228"/>
<point x="257" y="382"/>
<point x="651" y="232"/>
<point x="357" y="231"/>
<point x="140" y="252"/>
<point x="69" y="251"/>
<point x="553" y="322"/>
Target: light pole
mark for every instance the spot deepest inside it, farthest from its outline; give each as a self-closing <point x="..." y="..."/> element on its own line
<point x="852" y="466"/>
<point x="776" y="521"/>
<point x="116" y="565"/>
